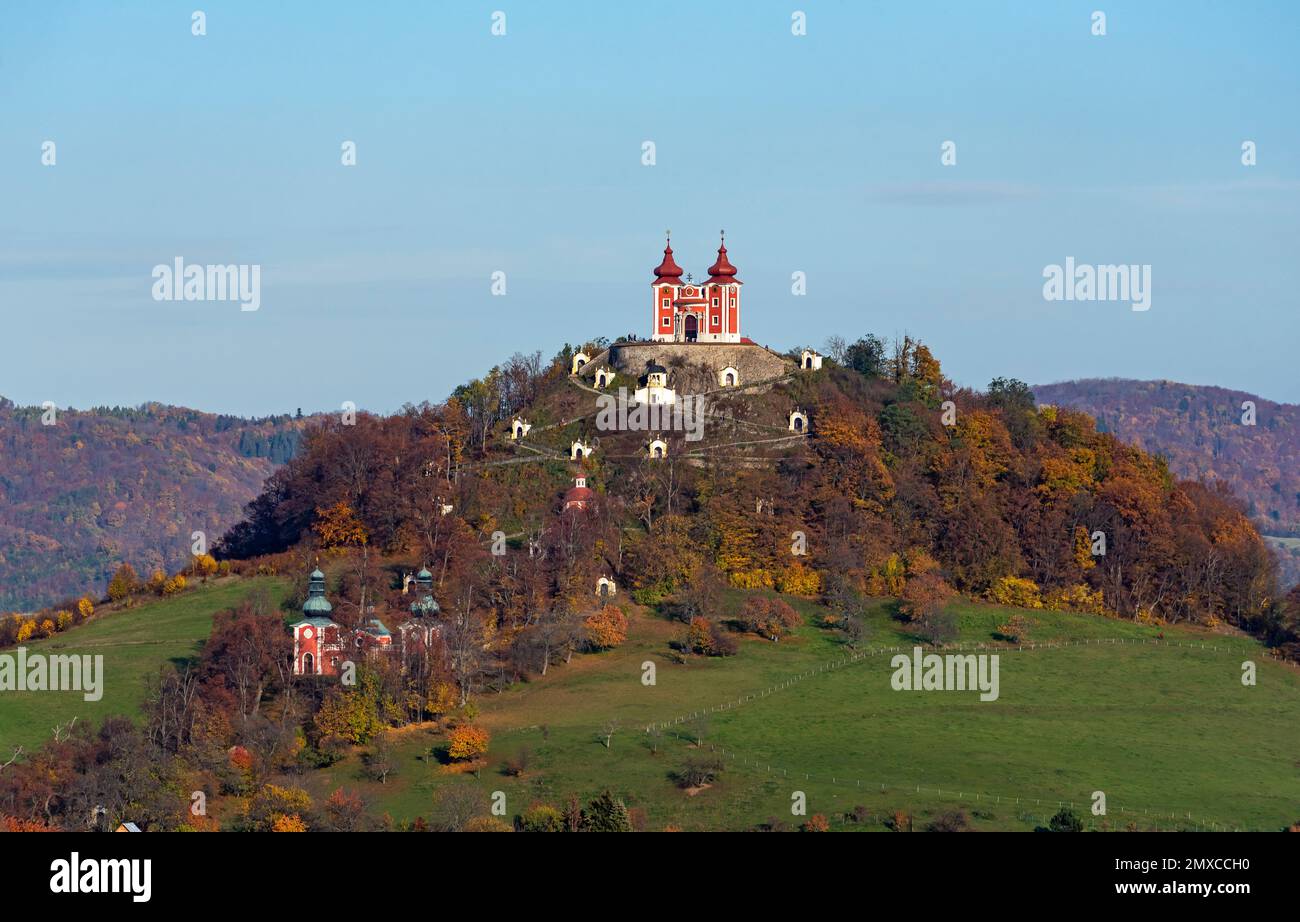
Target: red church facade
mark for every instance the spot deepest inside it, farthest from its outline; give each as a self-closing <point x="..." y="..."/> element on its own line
<point x="686" y="311"/>
<point x="318" y="646"/>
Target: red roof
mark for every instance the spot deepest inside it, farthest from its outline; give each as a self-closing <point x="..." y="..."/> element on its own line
<point x="722" y="272"/>
<point x="578" y="496"/>
<point x="668" y="272"/>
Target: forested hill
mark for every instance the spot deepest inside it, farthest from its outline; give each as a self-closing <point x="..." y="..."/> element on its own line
<point x="901" y="481"/>
<point x="1202" y="433"/>
<point x="110" y="484"/>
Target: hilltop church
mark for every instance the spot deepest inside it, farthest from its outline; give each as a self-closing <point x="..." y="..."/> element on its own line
<point x="687" y="311"/>
<point x="695" y="329"/>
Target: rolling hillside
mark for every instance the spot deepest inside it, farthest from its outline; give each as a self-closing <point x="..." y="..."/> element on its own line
<point x="1088" y="704"/>
<point x="106" y="485"/>
<point x="1101" y="705"/>
<point x="135" y="644"/>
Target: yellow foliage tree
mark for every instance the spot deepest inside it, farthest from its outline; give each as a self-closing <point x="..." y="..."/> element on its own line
<point x="1017" y="592"/>
<point x="338" y="526"/>
<point x="488" y="824"/>
<point x="798" y="580"/>
<point x="467" y="742"/>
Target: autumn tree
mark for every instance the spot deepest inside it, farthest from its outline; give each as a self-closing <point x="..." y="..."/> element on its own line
<point x="123" y="583"/>
<point x="467" y="742"/>
<point x="247" y="653"/>
<point x="606" y="628"/>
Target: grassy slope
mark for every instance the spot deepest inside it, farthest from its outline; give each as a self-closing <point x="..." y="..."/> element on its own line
<point x="135" y="643"/>
<point x="1159" y="728"/>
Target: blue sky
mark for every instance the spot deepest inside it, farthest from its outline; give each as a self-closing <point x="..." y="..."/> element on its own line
<point x="522" y="153"/>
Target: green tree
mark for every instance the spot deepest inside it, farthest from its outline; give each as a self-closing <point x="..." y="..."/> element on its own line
<point x="1065" y="820"/>
<point x="607" y="814"/>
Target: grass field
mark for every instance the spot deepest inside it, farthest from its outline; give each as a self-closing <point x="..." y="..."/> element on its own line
<point x="1163" y="730"/>
<point x="135" y="643"/>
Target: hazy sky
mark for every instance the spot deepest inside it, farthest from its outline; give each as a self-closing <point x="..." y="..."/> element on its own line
<point x="522" y="153"/>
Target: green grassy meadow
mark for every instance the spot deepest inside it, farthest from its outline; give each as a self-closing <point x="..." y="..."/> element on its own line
<point x="135" y="643"/>
<point x="1163" y="730"/>
<point x="1164" y="727"/>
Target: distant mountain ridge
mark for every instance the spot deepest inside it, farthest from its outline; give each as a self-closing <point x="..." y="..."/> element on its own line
<point x="110" y="484"/>
<point x="1200" y="429"/>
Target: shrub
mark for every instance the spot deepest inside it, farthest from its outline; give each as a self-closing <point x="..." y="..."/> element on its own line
<point x="156" y="580"/>
<point x="901" y="821"/>
<point x="515" y="767"/>
<point x="798" y="580"/>
<point x="721" y="643"/>
<point x="1076" y="598"/>
<point x="541" y="818"/>
<point x="1016" y="630"/>
<point x="1065" y="820"/>
<point x="816" y="823"/>
<point x="273" y="804"/>
<point x="1016" y="592"/>
<point x="949" y="821"/>
<point x="889" y="578"/>
<point x="487" y="824"/>
<point x="699" y="636"/>
<point x="123" y="583"/>
<point x="751" y="579"/>
<point x="292" y="822"/>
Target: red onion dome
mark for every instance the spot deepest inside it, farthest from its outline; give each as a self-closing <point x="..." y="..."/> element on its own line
<point x="722" y="271"/>
<point x="668" y="272"/>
